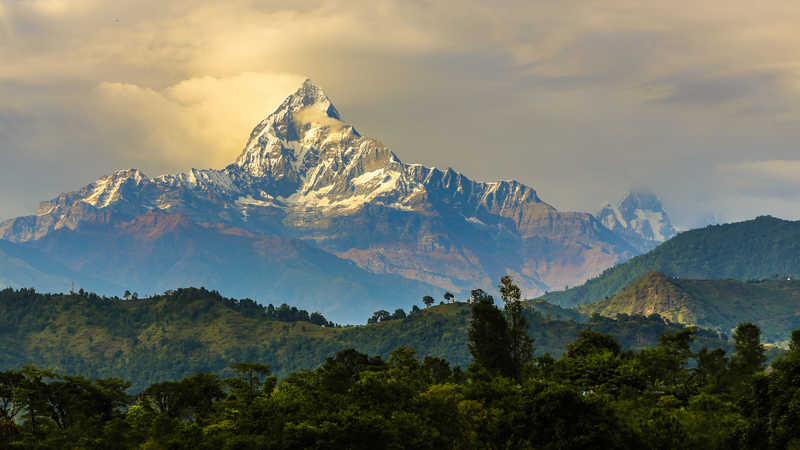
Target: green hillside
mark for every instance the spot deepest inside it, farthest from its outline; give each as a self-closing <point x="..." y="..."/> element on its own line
<point x="191" y="330"/>
<point x="762" y="248"/>
<point x="773" y="305"/>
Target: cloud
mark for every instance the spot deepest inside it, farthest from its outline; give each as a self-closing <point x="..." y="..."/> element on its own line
<point x="578" y="98"/>
<point x="199" y="122"/>
<point x="764" y="179"/>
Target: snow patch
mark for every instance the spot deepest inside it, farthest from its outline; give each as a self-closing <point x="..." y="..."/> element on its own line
<point x="654" y="218"/>
<point x="250" y="201"/>
<point x="367" y="177"/>
<point x="99" y="187"/>
<point x="475" y="220"/>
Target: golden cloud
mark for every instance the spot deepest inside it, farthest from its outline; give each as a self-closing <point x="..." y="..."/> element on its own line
<point x="180" y="83"/>
<point x="199" y="122"/>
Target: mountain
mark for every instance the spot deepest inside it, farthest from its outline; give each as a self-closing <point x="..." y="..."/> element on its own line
<point x="170" y="336"/>
<point x="310" y="194"/>
<point x="639" y="218"/>
<point x="765" y="247"/>
<point x="773" y="305"/>
<point x="156" y="251"/>
<point x="22" y="266"/>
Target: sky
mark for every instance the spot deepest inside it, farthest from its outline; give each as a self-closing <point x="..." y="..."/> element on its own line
<point x="698" y="100"/>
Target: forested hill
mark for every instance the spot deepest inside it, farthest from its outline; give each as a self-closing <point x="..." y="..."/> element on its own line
<point x="762" y="248"/>
<point x="773" y="305"/>
<point x="192" y="330"/>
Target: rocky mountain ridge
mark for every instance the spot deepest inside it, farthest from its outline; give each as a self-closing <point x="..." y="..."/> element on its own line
<point x="305" y="174"/>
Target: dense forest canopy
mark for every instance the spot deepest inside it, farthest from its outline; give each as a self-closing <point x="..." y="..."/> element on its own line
<point x="595" y="395"/>
<point x="182" y="332"/>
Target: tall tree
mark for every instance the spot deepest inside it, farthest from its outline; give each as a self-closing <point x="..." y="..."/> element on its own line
<point x="428" y="300"/>
<point x="449" y="297"/>
<point x="749" y="356"/>
<point x="521" y="344"/>
<point x="490" y="342"/>
<point x="784" y="396"/>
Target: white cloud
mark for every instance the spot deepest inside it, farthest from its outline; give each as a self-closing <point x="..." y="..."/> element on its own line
<point x="199" y="122"/>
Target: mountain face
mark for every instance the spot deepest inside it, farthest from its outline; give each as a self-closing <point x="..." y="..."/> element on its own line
<point x="715" y="304"/>
<point x="639" y="218"/>
<point x="762" y="248"/>
<point x="22" y="266"/>
<point x="309" y="182"/>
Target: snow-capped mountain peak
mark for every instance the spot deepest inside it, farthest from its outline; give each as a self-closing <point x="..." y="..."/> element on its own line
<point x="305" y="173"/>
<point x="301" y="160"/>
<point x="639" y="217"/>
<point x="306" y="130"/>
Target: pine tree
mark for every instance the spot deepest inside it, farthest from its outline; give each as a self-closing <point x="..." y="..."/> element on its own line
<point x="521" y="344"/>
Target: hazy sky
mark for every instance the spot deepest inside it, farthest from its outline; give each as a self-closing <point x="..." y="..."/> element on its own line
<point x="697" y="100"/>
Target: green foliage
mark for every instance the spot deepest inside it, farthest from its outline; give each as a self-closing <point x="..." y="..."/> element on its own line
<point x="521" y="344"/>
<point x="590" y="342"/>
<point x="749" y="356"/>
<point x="489" y="337"/>
<point x="595" y="396"/>
<point x="758" y="249"/>
<point x="713" y="304"/>
<point x="173" y="336"/>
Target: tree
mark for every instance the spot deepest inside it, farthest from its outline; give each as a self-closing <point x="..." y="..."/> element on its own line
<point x="340" y="372"/>
<point x="712" y="369"/>
<point x="490" y="342"/>
<point x="680" y="343"/>
<point x="590" y="342"/>
<point x="318" y="319"/>
<point x="191" y="397"/>
<point x="253" y="379"/>
<point x="784" y="394"/>
<point x="127" y="294"/>
<point x="12" y="384"/>
<point x="166" y="396"/>
<point x="399" y="314"/>
<point x="478" y="294"/>
<point x="380" y="316"/>
<point x="428" y="301"/>
<point x="438" y="368"/>
<point x="449" y="297"/>
<point x="521" y="343"/>
<point x="748" y="357"/>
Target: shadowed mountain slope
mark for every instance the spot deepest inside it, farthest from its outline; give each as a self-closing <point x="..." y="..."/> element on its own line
<point x="765" y="247"/>
<point x="773" y="305"/>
